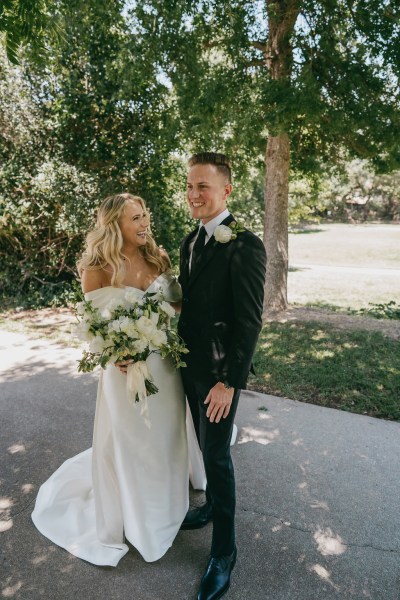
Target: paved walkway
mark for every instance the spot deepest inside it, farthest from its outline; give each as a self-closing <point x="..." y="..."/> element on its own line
<point x="393" y="271"/>
<point x="318" y="496"/>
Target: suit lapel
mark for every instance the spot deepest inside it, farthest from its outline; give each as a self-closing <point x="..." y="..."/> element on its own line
<point x="208" y="252"/>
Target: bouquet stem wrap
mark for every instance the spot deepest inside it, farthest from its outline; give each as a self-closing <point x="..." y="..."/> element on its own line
<point x="138" y="374"/>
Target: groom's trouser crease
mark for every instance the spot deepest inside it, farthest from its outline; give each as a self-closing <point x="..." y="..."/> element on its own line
<point x="214" y="440"/>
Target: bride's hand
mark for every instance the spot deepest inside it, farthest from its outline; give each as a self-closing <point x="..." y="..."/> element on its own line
<point x="177" y="306"/>
<point x="122" y="365"/>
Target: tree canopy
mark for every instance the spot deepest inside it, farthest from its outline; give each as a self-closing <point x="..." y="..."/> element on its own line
<point x="292" y="82"/>
<point x="28" y="21"/>
<point x="126" y="90"/>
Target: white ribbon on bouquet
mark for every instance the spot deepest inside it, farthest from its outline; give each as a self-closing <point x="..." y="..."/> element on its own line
<point x="137" y="374"/>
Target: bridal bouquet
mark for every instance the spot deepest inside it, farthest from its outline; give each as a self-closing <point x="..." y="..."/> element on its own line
<point x="129" y="329"/>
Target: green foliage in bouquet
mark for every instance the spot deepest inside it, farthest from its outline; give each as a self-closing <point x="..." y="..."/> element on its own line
<point x="128" y="329"/>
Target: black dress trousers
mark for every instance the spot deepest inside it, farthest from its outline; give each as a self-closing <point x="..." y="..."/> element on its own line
<point x="214" y="440"/>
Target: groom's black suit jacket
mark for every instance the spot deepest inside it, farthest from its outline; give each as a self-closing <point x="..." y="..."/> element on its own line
<point x="222" y="307"/>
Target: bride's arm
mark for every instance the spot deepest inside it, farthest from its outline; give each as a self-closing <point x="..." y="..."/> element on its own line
<point x="92" y="280"/>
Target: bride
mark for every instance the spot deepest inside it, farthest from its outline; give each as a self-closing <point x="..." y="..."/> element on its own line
<point x="133" y="482"/>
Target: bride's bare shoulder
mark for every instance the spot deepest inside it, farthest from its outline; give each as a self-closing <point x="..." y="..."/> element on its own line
<point x="93" y="279"/>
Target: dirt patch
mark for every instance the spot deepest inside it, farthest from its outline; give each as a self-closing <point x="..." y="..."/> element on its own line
<point x="388" y="328"/>
<point x="56" y="322"/>
<point x="52" y="323"/>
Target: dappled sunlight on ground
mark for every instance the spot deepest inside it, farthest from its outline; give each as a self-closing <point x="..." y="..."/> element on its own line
<point x="27" y="488"/>
<point x="37" y="560"/>
<point x="298" y="442"/>
<point x="6" y="521"/>
<point x="264" y="417"/>
<point x="18" y="372"/>
<point x="51" y="323"/>
<point x="316" y="530"/>
<point x="280" y="525"/>
<point x="328" y="543"/>
<point x="303" y="467"/>
<point x="42" y="554"/>
<point x="31" y="357"/>
<point x="260" y="436"/>
<point x="9" y="589"/>
<point x="17" y="448"/>
<point x="320" y="504"/>
<point x="304" y="489"/>
<point x="324" y="574"/>
<point x="297" y="535"/>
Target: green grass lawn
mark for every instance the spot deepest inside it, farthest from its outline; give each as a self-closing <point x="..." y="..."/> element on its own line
<point x="355" y="371"/>
<point x="345" y="265"/>
<point x="333" y="244"/>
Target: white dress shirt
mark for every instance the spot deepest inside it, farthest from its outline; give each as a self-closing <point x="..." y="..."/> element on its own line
<point x="210" y="227"/>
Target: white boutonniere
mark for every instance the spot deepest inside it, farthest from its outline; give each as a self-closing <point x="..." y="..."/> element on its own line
<point x="226" y="233"/>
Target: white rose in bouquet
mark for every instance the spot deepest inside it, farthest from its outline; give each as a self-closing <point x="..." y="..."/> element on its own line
<point x="145" y="326"/>
<point x="154" y="318"/>
<point x="159" y="338"/>
<point x="107" y="312"/>
<point x="128" y="326"/>
<point x="97" y="345"/>
<point x="82" y="332"/>
<point x="131" y="330"/>
<point x="124" y="323"/>
<point x="140" y="345"/>
<point x="116" y="324"/>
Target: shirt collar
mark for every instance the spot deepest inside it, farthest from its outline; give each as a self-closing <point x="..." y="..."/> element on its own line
<point x="211" y="226"/>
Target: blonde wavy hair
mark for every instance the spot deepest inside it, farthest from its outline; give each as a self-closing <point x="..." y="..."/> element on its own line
<point x="104" y="243"/>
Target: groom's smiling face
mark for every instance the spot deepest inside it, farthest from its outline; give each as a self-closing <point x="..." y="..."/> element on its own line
<point x="207" y="192"/>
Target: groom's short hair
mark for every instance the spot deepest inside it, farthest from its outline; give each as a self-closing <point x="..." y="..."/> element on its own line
<point x="220" y="161"/>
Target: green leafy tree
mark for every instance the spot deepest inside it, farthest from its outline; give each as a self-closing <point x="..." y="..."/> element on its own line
<point x="30" y="22"/>
<point x="113" y="111"/>
<point x="45" y="203"/>
<point x="94" y="120"/>
<point x="295" y="83"/>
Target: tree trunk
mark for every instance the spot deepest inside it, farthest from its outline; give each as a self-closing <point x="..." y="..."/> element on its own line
<point x="276" y="221"/>
<point x="282" y="16"/>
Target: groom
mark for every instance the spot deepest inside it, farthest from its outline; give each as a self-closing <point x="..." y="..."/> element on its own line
<point x="222" y="274"/>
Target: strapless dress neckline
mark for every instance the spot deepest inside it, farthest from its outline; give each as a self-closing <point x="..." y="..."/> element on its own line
<point x="126" y="287"/>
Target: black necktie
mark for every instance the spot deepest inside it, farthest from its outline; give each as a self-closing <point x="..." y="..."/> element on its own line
<point x="198" y="247"/>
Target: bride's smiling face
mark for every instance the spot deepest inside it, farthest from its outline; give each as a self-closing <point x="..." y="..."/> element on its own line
<point x="134" y="224"/>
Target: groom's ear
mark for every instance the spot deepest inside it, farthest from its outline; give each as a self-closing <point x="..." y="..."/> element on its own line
<point x="228" y="190"/>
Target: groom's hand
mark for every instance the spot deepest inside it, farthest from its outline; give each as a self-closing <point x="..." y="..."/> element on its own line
<point x="219" y="400"/>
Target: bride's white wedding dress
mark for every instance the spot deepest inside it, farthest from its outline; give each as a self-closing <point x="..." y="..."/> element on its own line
<point x="133" y="482"/>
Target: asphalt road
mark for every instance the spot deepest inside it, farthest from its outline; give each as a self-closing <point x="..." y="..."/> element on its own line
<point x="317" y="509"/>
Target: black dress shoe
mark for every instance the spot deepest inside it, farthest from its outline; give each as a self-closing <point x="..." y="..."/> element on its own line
<point x="198" y="517"/>
<point x="217" y="578"/>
